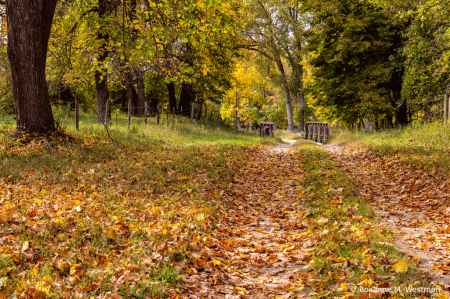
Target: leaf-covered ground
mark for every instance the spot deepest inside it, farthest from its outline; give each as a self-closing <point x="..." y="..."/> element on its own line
<point x="81" y="217"/>
<point x="294" y="227"/>
<point x="204" y="214"/>
<point x="415" y="203"/>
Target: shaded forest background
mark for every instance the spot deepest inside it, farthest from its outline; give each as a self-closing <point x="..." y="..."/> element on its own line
<point x="345" y="62"/>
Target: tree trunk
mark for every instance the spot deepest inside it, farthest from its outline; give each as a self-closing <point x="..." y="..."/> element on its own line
<point x="301" y="107"/>
<point x="287" y="95"/>
<point x="66" y="96"/>
<point x="172" y="99"/>
<point x="401" y="115"/>
<point x="187" y="95"/>
<point x="131" y="93"/>
<point x="140" y="92"/>
<point x="102" y="94"/>
<point x="200" y="107"/>
<point x="101" y="77"/>
<point x="154" y="103"/>
<point x="28" y="29"/>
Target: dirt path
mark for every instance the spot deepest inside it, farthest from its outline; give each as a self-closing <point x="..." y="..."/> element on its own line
<point x="406" y="203"/>
<point x="288" y="143"/>
<point x="259" y="249"/>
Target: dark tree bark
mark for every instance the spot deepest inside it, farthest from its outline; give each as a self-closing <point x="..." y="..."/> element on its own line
<point x="401" y="115"/>
<point x="140" y="110"/>
<point x="66" y="95"/>
<point x="200" y="107"/>
<point x="131" y="93"/>
<point x="187" y="96"/>
<point x="139" y="100"/>
<point x="29" y="24"/>
<point x="101" y="78"/>
<point x="153" y="103"/>
<point x="172" y="99"/>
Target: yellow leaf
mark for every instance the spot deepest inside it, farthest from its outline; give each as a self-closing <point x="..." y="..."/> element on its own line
<point x="75" y="268"/>
<point x="110" y="235"/>
<point x="34" y="271"/>
<point x="299" y="288"/>
<point x="43" y="287"/>
<point x="217" y="263"/>
<point x="200" y="217"/>
<point x="363" y="277"/>
<point x="38" y="201"/>
<point x="340" y="259"/>
<point x="400" y="267"/>
<point x="344" y="287"/>
<point x="355" y="228"/>
<point x="441" y="296"/>
<point x="164" y="231"/>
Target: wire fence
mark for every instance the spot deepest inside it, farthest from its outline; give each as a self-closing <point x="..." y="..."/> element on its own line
<point x="68" y="113"/>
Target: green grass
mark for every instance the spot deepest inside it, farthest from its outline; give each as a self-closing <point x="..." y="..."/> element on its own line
<point x="347" y="229"/>
<point x="425" y="146"/>
<point x="284" y="134"/>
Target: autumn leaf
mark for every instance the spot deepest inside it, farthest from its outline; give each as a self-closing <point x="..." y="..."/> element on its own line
<point x="400" y="267"/>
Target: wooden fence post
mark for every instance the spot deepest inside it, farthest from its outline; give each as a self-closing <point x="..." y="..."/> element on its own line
<point x="173" y="109"/>
<point x="107" y="112"/>
<point x="129" y="114"/>
<point x="192" y="112"/>
<point x="446" y="106"/>
<point x="157" y="110"/>
<point x="77" y="115"/>
<point x="145" y="112"/>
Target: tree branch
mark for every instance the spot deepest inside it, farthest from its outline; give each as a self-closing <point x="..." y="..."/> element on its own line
<point x="251" y="48"/>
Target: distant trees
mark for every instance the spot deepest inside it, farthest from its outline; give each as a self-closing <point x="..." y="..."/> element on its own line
<point x="99" y="45"/>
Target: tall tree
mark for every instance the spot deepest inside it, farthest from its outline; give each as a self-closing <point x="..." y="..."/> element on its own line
<point x="263" y="31"/>
<point x="29" y="24"/>
<point x="358" y="62"/>
<point x="101" y="76"/>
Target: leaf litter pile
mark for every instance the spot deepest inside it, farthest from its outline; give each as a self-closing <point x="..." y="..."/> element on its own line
<point x="80" y="218"/>
<point x="415" y="203"/>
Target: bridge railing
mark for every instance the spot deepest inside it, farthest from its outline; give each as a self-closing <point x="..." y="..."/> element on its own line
<point x="317" y="131"/>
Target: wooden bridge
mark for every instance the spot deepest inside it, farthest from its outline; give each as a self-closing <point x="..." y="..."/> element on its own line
<point x="317" y="131"/>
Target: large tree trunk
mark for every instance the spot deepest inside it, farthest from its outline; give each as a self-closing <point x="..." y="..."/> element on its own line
<point x="102" y="94"/>
<point x="200" y="107"/>
<point x="172" y="99"/>
<point x="29" y="24"/>
<point x="140" y="92"/>
<point x="287" y="94"/>
<point x="187" y="96"/>
<point x="401" y="114"/>
<point x="301" y="107"/>
<point x="101" y="78"/>
<point x="131" y="92"/>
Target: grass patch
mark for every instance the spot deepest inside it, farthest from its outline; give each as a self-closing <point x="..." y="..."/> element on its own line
<point x="284" y="134"/>
<point x="353" y="249"/>
<point x="80" y="213"/>
<point x="425" y="146"/>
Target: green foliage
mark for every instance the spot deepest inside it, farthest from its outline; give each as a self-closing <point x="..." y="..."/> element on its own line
<point x="356" y="61"/>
